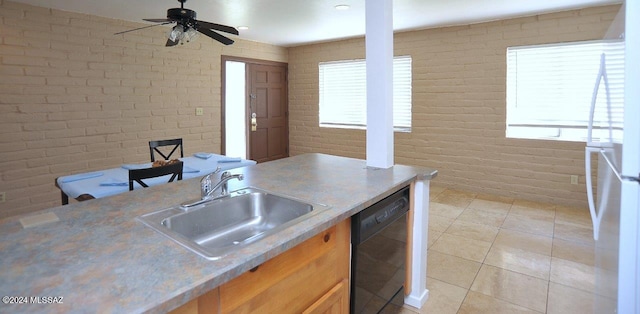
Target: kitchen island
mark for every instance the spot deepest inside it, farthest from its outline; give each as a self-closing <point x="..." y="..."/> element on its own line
<point x="98" y="258"/>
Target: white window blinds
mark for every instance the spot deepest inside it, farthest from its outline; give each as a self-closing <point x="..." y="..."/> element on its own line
<point x="343" y="94"/>
<point x="550" y="87"/>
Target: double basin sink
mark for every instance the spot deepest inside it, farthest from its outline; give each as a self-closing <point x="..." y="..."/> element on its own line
<point x="217" y="227"/>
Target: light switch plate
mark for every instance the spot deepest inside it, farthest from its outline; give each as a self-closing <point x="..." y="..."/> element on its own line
<point x="574" y="179"/>
<point x="3" y="197"/>
<point x="199" y="111"/>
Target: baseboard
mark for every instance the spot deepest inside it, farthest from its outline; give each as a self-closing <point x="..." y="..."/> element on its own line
<point x="417" y="301"/>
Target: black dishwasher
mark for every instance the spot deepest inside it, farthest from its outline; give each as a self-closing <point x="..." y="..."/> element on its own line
<point x="379" y="240"/>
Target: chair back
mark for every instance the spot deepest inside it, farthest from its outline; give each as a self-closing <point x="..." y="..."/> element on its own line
<point x="137" y="175"/>
<point x="174" y="144"/>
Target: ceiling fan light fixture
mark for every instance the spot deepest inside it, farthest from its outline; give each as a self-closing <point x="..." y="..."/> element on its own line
<point x="189" y="35"/>
<point x="182" y="34"/>
<point x="176" y="33"/>
<point x="188" y="27"/>
<point x="243" y="28"/>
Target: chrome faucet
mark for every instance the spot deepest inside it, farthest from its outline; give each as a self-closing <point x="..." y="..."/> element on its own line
<point x="207" y="188"/>
<point x="206" y="184"/>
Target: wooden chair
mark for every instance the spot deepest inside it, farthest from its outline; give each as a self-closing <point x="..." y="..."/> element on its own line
<point x="137" y="175"/>
<point x="154" y="145"/>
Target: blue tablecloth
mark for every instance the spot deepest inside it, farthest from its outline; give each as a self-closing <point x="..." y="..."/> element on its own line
<point x="116" y="180"/>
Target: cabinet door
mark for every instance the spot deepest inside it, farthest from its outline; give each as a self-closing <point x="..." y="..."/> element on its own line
<point x="336" y="301"/>
<point x="294" y="280"/>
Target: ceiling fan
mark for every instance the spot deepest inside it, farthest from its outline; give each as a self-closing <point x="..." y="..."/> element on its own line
<point x="187" y="27"/>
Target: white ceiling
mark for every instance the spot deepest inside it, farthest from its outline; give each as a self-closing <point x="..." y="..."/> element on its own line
<point x="296" y="22"/>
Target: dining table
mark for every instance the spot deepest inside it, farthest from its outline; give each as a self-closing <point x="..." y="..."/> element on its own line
<point x="103" y="183"/>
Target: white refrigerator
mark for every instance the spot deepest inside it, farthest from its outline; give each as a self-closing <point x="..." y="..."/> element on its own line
<point x="615" y="144"/>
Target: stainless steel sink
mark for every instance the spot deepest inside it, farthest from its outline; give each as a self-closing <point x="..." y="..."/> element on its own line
<point x="217" y="227"/>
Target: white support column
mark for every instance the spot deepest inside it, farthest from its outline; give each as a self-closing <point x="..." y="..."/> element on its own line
<point x="419" y="293"/>
<point x="379" y="54"/>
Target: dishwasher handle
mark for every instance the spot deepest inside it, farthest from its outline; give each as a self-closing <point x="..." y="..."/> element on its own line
<point x="391" y="210"/>
<point x="376" y="217"/>
<point x="382" y="217"/>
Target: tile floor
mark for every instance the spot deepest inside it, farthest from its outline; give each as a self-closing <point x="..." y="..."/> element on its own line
<point x="491" y="254"/>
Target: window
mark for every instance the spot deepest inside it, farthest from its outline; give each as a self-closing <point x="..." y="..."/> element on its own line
<point x="343" y="94"/>
<point x="550" y="89"/>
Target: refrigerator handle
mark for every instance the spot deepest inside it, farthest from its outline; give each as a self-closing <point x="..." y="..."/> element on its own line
<point x="602" y="77"/>
<point x="594" y="98"/>
<point x="595" y="220"/>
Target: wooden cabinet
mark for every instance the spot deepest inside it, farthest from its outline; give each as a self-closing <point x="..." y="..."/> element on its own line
<point x="333" y="302"/>
<point x="312" y="277"/>
<point x="296" y="279"/>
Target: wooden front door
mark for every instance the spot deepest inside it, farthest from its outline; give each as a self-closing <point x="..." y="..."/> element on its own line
<point x="268" y="112"/>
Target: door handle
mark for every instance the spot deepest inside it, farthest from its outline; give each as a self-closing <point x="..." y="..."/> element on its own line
<point x="254" y="122"/>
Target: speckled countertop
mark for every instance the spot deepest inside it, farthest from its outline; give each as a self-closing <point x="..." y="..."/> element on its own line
<point x="99" y="258"/>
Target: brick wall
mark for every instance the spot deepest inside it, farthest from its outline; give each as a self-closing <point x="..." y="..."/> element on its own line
<point x="75" y="98"/>
<point x="459" y="113"/>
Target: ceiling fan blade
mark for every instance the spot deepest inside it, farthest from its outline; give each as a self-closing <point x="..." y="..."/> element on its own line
<point x="135" y="29"/>
<point x="215" y="36"/>
<point x="218" y="27"/>
<point x="171" y="43"/>
<point x="157" y="20"/>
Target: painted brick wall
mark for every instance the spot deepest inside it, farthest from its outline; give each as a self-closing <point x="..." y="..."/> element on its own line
<point x="459" y="113"/>
<point x="76" y="98"/>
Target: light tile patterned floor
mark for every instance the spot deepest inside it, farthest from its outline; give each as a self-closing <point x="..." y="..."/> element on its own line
<point x="491" y="254"/>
